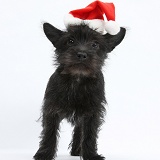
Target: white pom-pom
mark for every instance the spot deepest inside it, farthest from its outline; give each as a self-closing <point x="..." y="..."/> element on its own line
<point x="112" y="27"/>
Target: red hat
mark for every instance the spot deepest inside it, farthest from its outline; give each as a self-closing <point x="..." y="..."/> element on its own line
<point x="92" y="15"/>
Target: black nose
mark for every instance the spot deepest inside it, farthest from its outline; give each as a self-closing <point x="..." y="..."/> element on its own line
<point x="82" y="55"/>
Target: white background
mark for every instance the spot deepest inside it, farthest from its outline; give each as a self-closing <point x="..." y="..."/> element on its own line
<point x="132" y="75"/>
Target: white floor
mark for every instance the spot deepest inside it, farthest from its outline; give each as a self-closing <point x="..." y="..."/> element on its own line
<point x="25" y="155"/>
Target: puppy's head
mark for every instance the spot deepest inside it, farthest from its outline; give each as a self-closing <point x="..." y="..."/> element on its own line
<point x="81" y="50"/>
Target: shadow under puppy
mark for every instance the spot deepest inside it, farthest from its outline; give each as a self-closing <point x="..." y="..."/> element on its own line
<point x="76" y="90"/>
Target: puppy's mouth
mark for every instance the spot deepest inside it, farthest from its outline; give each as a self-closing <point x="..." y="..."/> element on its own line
<point x="79" y="68"/>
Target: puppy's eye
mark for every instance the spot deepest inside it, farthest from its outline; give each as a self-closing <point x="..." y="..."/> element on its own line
<point x="95" y="45"/>
<point x="70" y="42"/>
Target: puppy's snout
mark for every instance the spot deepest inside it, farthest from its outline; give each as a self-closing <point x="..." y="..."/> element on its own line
<point x="82" y="55"/>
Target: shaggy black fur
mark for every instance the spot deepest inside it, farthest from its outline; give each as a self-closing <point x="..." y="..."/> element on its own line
<point x="76" y="90"/>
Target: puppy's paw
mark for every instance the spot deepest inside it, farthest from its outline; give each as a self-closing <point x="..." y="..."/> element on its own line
<point x="75" y="152"/>
<point x="97" y="157"/>
<point x="40" y="155"/>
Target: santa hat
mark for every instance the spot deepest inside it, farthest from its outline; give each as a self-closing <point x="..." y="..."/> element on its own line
<point x="92" y="15"/>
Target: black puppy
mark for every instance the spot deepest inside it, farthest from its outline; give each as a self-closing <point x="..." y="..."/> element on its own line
<point x="76" y="90"/>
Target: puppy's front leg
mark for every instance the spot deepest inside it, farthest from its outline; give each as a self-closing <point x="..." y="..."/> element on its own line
<point x="49" y="135"/>
<point x="90" y="129"/>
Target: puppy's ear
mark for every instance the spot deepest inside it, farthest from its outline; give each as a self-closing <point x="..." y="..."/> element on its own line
<point x="52" y="33"/>
<point x="114" y="40"/>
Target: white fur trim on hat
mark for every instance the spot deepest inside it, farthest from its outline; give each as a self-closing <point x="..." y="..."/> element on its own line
<point x="96" y="24"/>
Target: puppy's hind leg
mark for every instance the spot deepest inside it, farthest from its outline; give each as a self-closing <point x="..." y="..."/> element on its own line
<point x="76" y="141"/>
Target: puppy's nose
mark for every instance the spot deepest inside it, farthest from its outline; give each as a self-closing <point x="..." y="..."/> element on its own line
<point x="82" y="55"/>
